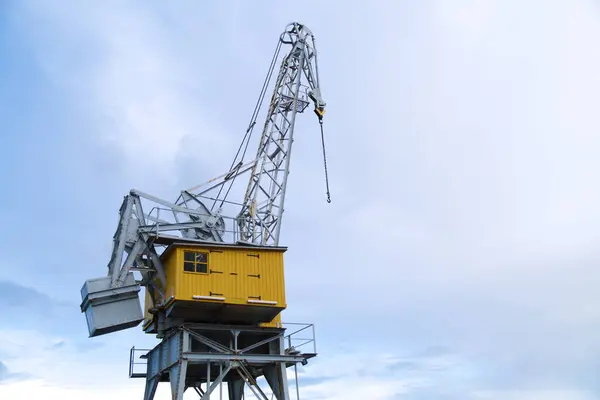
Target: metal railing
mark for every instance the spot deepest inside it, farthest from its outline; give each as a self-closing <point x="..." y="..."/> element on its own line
<point x="301" y="340"/>
<point x="135" y="369"/>
<point x="160" y="220"/>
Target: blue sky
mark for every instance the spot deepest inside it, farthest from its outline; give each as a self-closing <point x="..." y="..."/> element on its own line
<point x="459" y="257"/>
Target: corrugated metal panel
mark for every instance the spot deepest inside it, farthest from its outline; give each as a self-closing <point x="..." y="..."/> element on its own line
<point x="235" y="274"/>
<point x="272" y="287"/>
<point x="170" y="265"/>
<point x="189" y="284"/>
<point x="276" y="323"/>
<point x="147" y="306"/>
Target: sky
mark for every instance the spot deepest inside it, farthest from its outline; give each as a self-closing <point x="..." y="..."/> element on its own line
<point x="458" y="258"/>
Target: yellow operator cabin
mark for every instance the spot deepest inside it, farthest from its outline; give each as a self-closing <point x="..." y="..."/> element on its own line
<point x="219" y="283"/>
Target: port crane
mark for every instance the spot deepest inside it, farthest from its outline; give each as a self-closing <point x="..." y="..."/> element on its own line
<point x="211" y="265"/>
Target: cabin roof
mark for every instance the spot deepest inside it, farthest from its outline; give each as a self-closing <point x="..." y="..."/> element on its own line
<point x="216" y="245"/>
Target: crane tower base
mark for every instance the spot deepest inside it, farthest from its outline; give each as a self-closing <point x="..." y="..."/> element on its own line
<point x="203" y="357"/>
<point x="108" y="309"/>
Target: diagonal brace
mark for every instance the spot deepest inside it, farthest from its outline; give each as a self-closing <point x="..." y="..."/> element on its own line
<point x="209" y="342"/>
<point x="265" y="341"/>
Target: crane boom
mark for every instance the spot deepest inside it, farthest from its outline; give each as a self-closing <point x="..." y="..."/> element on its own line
<point x="260" y="217"/>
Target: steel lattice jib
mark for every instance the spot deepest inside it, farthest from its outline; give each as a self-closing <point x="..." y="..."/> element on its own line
<point x="217" y="283"/>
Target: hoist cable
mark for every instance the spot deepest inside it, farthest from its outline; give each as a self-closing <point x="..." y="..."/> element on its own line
<point x="325" y="162"/>
<point x="248" y="134"/>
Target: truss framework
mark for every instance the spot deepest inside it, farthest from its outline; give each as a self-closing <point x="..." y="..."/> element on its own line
<point x="256" y="220"/>
<point x="203" y="357"/>
<point x="134" y="242"/>
<point x="260" y="216"/>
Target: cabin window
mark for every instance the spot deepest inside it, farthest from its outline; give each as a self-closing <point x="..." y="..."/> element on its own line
<point x="194" y="261"/>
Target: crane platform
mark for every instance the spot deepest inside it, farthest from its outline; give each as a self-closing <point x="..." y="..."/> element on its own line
<point x="204" y="356"/>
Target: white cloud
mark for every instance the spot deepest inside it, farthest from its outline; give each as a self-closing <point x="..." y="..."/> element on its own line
<point x="126" y="72"/>
<point x="56" y="359"/>
<point x="495" y="164"/>
<point x="534" y="395"/>
<point x="55" y="367"/>
<point x="38" y="388"/>
<point x="66" y="374"/>
<point x="463" y="141"/>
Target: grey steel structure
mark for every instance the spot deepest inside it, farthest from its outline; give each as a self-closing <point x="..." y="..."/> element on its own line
<point x="190" y="356"/>
<point x="204" y="357"/>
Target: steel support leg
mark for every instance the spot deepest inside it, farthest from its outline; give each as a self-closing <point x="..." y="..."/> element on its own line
<point x="177" y="376"/>
<point x="235" y="389"/>
<point x="151" y="386"/>
<point x="276" y="374"/>
<point x="178" y="372"/>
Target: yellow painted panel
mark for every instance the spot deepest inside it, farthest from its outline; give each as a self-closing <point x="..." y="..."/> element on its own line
<point x="171" y="270"/>
<point x="170" y="266"/>
<point x="271" y="282"/>
<point x="147" y="306"/>
<point x="189" y="284"/>
<point x="238" y="275"/>
<point x="276" y="323"/>
<point x="237" y="287"/>
<point x="251" y="275"/>
<point x="219" y="282"/>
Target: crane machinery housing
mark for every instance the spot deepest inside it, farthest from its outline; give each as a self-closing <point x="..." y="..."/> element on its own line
<point x="211" y="265"/>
